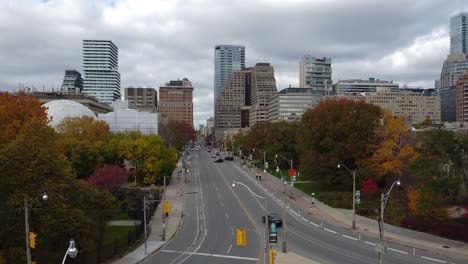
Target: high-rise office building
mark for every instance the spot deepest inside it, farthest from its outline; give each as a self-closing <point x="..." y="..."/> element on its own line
<point x="315" y="73"/>
<point x="453" y="67"/>
<point x="462" y="98"/>
<point x="459" y="34"/>
<point x="101" y="70"/>
<point x="227" y="59"/>
<point x="231" y="100"/>
<point x="72" y="82"/>
<point x="176" y="101"/>
<point x="144" y="99"/>
<point x="263" y="88"/>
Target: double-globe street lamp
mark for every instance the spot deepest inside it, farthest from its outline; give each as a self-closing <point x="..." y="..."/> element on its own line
<point x="383" y="203"/>
<point x="27" y="208"/>
<point x="266" y="261"/>
<point x="353" y="173"/>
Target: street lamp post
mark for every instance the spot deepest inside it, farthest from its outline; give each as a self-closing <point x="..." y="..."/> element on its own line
<point x="284" y="244"/>
<point x="266" y="261"/>
<point x="27" y="207"/>
<point x="383" y="202"/>
<point x="353" y="173"/>
<point x="72" y="251"/>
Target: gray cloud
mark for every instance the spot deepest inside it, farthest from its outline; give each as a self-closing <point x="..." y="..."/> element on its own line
<point x="163" y="40"/>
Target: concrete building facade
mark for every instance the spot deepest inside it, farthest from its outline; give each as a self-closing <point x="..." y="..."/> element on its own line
<point x="315" y="72"/>
<point x="357" y="86"/>
<point x="454" y="66"/>
<point x="263" y="88"/>
<point x="231" y="100"/>
<point x="462" y="98"/>
<point x="414" y="106"/>
<point x="291" y="103"/>
<point x="72" y="82"/>
<point x="144" y="99"/>
<point x="125" y="118"/>
<point x="176" y="101"/>
<point x="101" y="70"/>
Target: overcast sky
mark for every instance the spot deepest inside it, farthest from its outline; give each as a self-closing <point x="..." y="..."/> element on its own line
<point x="162" y="40"/>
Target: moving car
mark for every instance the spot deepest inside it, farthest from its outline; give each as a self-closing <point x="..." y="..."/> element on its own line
<point x="229" y="158"/>
<point x="273" y="218"/>
<point x="219" y="160"/>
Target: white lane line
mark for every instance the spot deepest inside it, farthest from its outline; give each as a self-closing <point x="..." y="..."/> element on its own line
<point x="208" y="255"/>
<point x="399" y="251"/>
<point x="232" y="230"/>
<point x="229" y="249"/>
<point x="329" y="230"/>
<point x="369" y="243"/>
<point x="314" y="224"/>
<point x="227" y="217"/>
<point x="433" y="259"/>
<point x="350" y="237"/>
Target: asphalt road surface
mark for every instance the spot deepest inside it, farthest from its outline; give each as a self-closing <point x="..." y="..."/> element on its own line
<point x="214" y="210"/>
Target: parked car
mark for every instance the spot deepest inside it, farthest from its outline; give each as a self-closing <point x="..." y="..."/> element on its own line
<point x="229" y="158"/>
<point x="273" y="218"/>
<point x="219" y="160"/>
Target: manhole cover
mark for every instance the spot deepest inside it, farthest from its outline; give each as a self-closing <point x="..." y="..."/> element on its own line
<point x="445" y="246"/>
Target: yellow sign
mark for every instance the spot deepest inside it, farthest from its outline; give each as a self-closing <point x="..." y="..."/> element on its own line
<point x="32" y="239"/>
<point x="167" y="207"/>
<point x="241" y="237"/>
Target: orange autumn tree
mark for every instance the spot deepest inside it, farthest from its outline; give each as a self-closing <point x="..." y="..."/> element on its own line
<point x="391" y="149"/>
<point x="15" y="111"/>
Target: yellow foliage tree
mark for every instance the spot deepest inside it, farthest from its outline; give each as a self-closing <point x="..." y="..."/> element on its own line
<point x="414" y="195"/>
<point x="391" y="149"/>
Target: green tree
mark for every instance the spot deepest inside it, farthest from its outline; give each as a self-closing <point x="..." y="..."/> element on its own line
<point x="335" y="131"/>
<point x="83" y="140"/>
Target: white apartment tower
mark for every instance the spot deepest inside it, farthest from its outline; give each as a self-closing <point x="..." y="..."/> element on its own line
<point x="315" y="72"/>
<point x="101" y="70"/>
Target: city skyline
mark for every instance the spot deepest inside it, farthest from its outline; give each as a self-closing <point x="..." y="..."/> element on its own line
<point x="160" y="41"/>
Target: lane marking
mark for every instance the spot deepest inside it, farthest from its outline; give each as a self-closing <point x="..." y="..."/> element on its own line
<point x="369" y="243"/>
<point x="229" y="249"/>
<point x="208" y="255"/>
<point x="227" y="217"/>
<point x="396" y="250"/>
<point x="350" y="237"/>
<point x="433" y="259"/>
<point x="329" y="230"/>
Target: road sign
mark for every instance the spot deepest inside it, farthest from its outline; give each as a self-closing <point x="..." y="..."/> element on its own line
<point x="273" y="238"/>
<point x="292" y="172"/>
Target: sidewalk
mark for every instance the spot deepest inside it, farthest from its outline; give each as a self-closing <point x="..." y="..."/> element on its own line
<point x="343" y="218"/>
<point x="175" y="194"/>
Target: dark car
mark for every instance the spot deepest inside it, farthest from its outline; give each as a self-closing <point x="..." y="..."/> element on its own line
<point x="229" y="158"/>
<point x="219" y="160"/>
<point x="273" y="218"/>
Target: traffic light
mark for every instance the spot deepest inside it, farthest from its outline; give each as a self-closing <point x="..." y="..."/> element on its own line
<point x="272" y="256"/>
<point x="32" y="239"/>
<point x="241" y="237"/>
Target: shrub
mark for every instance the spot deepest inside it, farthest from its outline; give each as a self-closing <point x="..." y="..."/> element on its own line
<point x="109" y="177"/>
<point x="444" y="229"/>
